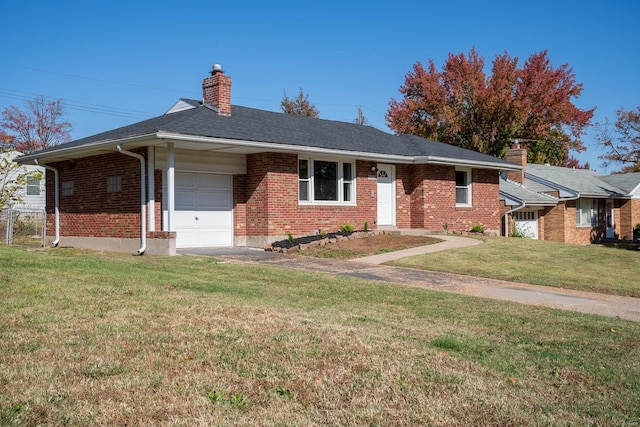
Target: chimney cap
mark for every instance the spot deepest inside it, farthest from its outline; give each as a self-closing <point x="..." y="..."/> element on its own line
<point x="217" y="68"/>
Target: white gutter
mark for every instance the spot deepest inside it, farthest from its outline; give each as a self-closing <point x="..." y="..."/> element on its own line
<point x="143" y="200"/>
<point x="56" y="199"/>
<point x="470" y="163"/>
<point x="385" y="158"/>
<point x="60" y="152"/>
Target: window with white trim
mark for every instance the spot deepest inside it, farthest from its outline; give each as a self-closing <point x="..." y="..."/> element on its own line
<point x="33" y="186"/>
<point x="463" y="187"/>
<point x="326" y="181"/>
<point x="587" y="212"/>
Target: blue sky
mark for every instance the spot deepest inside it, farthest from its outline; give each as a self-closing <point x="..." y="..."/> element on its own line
<point x="115" y="63"/>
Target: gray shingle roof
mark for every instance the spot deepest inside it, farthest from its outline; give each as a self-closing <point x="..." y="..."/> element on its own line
<point x="627" y="182"/>
<point x="521" y="194"/>
<point x="248" y="124"/>
<point x="581" y="181"/>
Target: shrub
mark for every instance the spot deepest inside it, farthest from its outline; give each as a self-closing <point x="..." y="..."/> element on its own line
<point x="366" y="226"/>
<point x="347" y="228"/>
<point x="477" y="229"/>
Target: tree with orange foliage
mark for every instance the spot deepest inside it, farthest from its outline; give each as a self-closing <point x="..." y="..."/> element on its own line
<point x="462" y="106"/>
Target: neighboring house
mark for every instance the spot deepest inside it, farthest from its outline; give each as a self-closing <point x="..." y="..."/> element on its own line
<point x="207" y="173"/>
<point x="33" y="194"/>
<point x="569" y="205"/>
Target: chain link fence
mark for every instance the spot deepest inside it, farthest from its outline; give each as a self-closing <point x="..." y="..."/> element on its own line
<point x="23" y="227"/>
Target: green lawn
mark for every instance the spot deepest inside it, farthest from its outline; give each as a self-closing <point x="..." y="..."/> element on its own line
<point x="612" y="270"/>
<point x="105" y="339"/>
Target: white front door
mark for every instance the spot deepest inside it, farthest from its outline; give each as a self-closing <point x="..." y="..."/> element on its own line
<point x="610" y="220"/>
<point x="386" y="195"/>
<point x="203" y="210"/>
<point x="526" y="224"/>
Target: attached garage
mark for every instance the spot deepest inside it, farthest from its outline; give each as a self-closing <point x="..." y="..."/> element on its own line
<point x="203" y="210"/>
<point x="526" y="223"/>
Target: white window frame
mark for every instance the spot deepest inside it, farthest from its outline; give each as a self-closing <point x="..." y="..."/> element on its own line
<point x="586" y="212"/>
<point x="33" y="186"/>
<point x="468" y="187"/>
<point x="342" y="182"/>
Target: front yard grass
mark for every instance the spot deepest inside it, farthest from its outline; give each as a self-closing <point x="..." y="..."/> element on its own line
<point x="597" y="268"/>
<point x="106" y="339"/>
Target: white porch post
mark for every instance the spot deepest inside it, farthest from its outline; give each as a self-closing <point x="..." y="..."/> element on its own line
<point x="171" y="187"/>
<point x="151" y="165"/>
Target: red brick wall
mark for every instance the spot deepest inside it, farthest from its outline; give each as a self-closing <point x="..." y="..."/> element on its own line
<point x="635" y="212"/>
<point x="270" y="200"/>
<point x="266" y="199"/>
<point x="425" y="198"/>
<point x="239" y="205"/>
<point x="432" y="195"/>
<point x="157" y="186"/>
<point x="627" y="218"/>
<point x="91" y="211"/>
<point x="554" y="227"/>
<point x="560" y="224"/>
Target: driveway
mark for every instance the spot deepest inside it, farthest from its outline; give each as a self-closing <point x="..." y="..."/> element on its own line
<point x="370" y="269"/>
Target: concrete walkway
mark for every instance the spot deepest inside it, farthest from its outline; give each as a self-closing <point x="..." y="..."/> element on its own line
<point x="369" y="269"/>
<point x="448" y="242"/>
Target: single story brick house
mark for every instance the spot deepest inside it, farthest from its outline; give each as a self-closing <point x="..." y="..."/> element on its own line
<point x="568" y="205"/>
<point x="207" y="173"/>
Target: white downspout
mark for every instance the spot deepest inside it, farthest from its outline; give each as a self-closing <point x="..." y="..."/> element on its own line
<point x="56" y="201"/>
<point x="506" y="218"/>
<point x="143" y="200"/>
<point x="151" y="210"/>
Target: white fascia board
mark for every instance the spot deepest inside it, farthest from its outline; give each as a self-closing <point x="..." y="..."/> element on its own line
<point x="60" y="152"/>
<point x="468" y="163"/>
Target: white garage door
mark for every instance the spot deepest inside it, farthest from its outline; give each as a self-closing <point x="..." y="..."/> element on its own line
<point x="203" y="210"/>
<point x="527" y="223"/>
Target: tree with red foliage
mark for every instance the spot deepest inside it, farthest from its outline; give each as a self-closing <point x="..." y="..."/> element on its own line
<point x="622" y="144"/>
<point x="462" y="106"/>
<point x="40" y="125"/>
<point x="572" y="162"/>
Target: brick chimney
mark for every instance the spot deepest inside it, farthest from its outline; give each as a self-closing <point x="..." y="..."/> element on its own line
<point x="216" y="90"/>
<point x="518" y="156"/>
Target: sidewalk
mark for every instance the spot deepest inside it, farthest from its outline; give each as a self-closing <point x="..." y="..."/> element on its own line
<point x="448" y="242"/>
